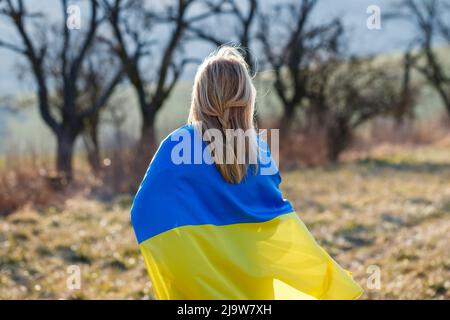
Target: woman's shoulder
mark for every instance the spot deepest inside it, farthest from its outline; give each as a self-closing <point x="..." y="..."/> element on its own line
<point x="184" y="128"/>
<point x="184" y="132"/>
<point x="178" y="147"/>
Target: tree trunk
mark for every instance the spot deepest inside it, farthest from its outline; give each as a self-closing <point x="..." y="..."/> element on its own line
<point x="93" y="153"/>
<point x="338" y="138"/>
<point x="287" y="119"/>
<point x="64" y="155"/>
<point x="447" y="106"/>
<point x="90" y="138"/>
<point x="147" y="141"/>
<point x="146" y="148"/>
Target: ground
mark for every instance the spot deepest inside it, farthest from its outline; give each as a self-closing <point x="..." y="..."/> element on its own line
<point x="390" y="210"/>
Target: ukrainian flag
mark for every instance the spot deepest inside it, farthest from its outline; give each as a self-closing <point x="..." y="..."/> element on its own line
<point x="204" y="238"/>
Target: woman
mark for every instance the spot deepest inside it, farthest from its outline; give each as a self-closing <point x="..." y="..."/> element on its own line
<point x="211" y="223"/>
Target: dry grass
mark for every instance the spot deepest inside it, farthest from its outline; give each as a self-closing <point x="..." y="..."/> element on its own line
<point x="39" y="246"/>
<point x="391" y="210"/>
<point x="25" y="182"/>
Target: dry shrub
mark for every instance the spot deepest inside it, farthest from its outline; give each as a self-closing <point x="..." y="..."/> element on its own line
<point x="407" y="132"/>
<point x="300" y="146"/>
<point x="307" y="145"/>
<point x="121" y="173"/>
<point x="304" y="147"/>
<point x="23" y="182"/>
<point x="26" y="180"/>
<point x="385" y="131"/>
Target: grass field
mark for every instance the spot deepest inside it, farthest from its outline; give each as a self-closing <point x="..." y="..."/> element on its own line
<point x="391" y="210"/>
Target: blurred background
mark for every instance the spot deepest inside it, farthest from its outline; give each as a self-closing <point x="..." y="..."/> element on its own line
<point x="360" y="90"/>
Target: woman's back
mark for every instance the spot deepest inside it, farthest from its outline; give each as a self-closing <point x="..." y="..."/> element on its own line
<point x="209" y="216"/>
<point x="205" y="238"/>
<point x="197" y="187"/>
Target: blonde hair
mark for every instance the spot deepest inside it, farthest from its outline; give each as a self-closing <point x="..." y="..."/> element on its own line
<point x="223" y="97"/>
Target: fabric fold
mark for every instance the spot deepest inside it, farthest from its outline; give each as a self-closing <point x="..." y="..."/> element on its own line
<point x="204" y="238"/>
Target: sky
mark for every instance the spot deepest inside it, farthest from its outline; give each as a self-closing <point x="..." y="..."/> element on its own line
<point x="393" y="35"/>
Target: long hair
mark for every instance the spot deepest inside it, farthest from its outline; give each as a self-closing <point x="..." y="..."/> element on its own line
<point x="223" y="98"/>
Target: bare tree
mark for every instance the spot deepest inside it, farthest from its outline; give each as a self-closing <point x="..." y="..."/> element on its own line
<point x="55" y="65"/>
<point x="132" y="25"/>
<point x="100" y="65"/>
<point x="292" y="47"/>
<point x="408" y="92"/>
<point x="431" y="19"/>
<point x="349" y="93"/>
<point x="243" y="16"/>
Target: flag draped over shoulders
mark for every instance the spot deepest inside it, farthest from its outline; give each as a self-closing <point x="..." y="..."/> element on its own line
<point x="204" y="238"/>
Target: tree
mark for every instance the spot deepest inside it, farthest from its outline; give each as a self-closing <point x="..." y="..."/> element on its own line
<point x="431" y="19"/>
<point x="99" y="67"/>
<point x="133" y="28"/>
<point x="344" y="94"/>
<point x="55" y="64"/>
<point x="243" y="18"/>
<point x="291" y="48"/>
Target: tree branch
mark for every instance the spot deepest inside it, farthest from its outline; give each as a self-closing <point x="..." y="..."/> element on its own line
<point x="13" y="47"/>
